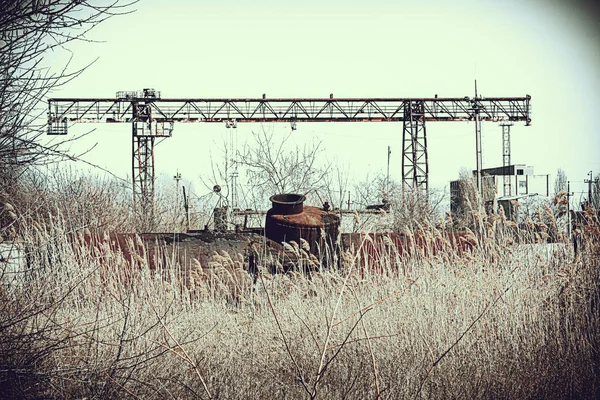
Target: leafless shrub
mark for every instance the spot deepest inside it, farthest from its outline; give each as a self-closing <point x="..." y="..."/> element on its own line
<point x="401" y="207"/>
<point x="273" y="167"/>
<point x="30" y="30"/>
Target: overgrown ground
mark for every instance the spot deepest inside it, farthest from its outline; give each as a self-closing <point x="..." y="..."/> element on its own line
<point x="501" y="321"/>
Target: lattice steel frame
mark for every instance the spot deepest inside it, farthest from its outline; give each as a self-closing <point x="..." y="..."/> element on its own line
<point x="153" y="117"/>
<point x="144" y="131"/>
<point x="506" y="157"/>
<point x="415" y="166"/>
<point x="496" y="109"/>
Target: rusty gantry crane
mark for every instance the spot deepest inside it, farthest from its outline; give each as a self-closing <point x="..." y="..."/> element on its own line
<point x="152" y="117"/>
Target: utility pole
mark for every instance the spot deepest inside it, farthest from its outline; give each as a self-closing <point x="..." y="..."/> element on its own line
<point x="177" y="178"/>
<point x="590" y="192"/>
<point x="232" y="124"/>
<point x="569" y="208"/>
<point x="348" y="200"/>
<point x="589" y="182"/>
<point x="387" y="179"/>
<point x="187" y="210"/>
<point x="234" y="194"/>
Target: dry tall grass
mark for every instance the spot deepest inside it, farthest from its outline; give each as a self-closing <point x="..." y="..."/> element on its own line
<point x="503" y="321"/>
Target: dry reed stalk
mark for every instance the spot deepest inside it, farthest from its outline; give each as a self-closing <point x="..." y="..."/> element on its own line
<point x="285" y="341"/>
<point x="370" y="347"/>
<point x="184" y="354"/>
<point x="503" y="354"/>
<point x="370" y="306"/>
<point x="129" y="392"/>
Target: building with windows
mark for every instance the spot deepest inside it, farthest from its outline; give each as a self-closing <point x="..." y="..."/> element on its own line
<point x="500" y="186"/>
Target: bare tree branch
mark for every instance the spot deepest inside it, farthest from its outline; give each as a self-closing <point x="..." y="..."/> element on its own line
<point x="29" y="30"/>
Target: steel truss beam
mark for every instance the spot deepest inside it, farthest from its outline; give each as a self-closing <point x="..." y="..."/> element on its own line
<point x="288" y="110"/>
<point x="153" y="117"/>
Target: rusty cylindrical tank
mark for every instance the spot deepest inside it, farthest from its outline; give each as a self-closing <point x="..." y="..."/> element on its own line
<point x="289" y="219"/>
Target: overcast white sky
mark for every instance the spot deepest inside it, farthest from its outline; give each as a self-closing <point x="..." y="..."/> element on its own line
<point x="379" y="48"/>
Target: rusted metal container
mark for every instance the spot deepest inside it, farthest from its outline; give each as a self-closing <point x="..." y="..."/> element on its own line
<point x="289" y="219"/>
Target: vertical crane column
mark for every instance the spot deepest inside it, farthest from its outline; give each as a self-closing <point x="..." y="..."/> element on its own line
<point x="478" y="153"/>
<point x="145" y="130"/>
<point x="415" y="168"/>
<point x="142" y="161"/>
<point x="506" y="157"/>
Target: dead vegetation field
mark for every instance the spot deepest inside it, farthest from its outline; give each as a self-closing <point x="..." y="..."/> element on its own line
<point x="499" y="321"/>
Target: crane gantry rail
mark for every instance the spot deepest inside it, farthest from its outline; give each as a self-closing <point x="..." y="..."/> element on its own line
<point x="153" y="117"/>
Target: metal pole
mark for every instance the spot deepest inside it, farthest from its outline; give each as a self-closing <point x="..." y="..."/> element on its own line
<point x="187" y="210"/>
<point x="589" y="182"/>
<point x="569" y="209"/>
<point x="134" y="159"/>
<point x="478" y="154"/>
<point x="348" y="200"/>
<point x="177" y="178"/>
<point x="387" y="179"/>
<point x="478" y="157"/>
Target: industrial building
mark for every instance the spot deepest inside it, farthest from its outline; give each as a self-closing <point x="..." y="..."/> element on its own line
<point x="512" y="181"/>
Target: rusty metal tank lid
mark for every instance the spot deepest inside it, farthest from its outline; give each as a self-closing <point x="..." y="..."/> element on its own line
<point x="287" y="203"/>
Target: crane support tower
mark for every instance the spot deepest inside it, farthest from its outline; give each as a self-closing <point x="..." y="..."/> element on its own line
<point x="153" y="117"/>
<point x="506" y="156"/>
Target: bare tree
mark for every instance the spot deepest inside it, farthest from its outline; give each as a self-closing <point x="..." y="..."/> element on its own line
<point x="85" y="200"/>
<point x="417" y="209"/>
<point x="29" y="30"/>
<point x="466" y="200"/>
<point x="272" y="167"/>
<point x="370" y="191"/>
<point x="560" y="183"/>
<point x="337" y="187"/>
<point x="408" y="209"/>
<point x="595" y="201"/>
<point x="559" y="205"/>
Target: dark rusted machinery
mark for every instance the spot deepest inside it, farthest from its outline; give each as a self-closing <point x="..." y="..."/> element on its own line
<point x="289" y="219"/>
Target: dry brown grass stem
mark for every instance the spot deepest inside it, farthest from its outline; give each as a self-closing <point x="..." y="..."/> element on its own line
<point x="505" y="318"/>
<point x="129" y="392"/>
<point x="283" y="337"/>
<point x="362" y="339"/>
<point x="459" y="339"/>
<point x="330" y="325"/>
<point x="325" y="364"/>
<point x="370" y="306"/>
<point x="184" y="354"/>
<point x="310" y="331"/>
<point x="370" y="346"/>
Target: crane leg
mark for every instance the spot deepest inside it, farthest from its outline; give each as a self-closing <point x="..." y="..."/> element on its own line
<point x="415" y="167"/>
<point x="142" y="171"/>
